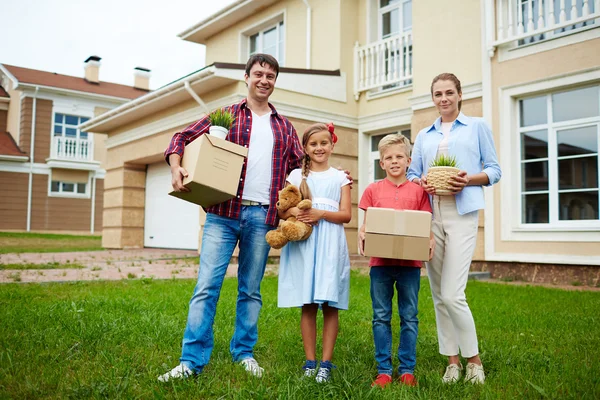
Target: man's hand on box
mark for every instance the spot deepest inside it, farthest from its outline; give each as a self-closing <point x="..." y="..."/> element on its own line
<point x="177" y="175"/>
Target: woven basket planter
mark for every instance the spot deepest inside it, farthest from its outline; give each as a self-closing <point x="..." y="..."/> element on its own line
<point x="438" y="177"/>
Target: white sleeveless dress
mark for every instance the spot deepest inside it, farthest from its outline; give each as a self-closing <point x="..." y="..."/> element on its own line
<point x="317" y="270"/>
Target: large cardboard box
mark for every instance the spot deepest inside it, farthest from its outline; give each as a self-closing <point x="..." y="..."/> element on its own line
<point x="214" y="167"/>
<point x="400" y="234"/>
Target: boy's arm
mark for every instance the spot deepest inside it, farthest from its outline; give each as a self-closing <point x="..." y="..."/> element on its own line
<point x="361" y="237"/>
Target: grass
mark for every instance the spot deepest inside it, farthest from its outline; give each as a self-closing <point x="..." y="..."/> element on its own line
<point x="25" y="242"/>
<point x="50" y="265"/>
<point x="112" y="339"/>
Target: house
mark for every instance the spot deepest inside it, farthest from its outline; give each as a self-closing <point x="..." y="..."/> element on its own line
<point x="52" y="172"/>
<point x="367" y="65"/>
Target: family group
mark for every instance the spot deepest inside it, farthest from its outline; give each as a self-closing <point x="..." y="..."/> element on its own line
<point x="315" y="273"/>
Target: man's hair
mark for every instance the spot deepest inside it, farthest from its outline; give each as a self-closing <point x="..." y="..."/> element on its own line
<point x="262" y="59"/>
<point x="390" y="140"/>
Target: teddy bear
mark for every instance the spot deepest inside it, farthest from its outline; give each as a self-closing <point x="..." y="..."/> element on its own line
<point x="290" y="230"/>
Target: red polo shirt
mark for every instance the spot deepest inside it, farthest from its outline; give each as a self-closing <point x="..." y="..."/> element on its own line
<point x="406" y="196"/>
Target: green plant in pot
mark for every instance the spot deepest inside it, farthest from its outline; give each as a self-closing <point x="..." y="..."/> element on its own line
<point x="440" y="171"/>
<point x="221" y="121"/>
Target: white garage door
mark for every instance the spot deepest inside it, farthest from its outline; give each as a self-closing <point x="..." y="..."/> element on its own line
<point x="169" y="222"/>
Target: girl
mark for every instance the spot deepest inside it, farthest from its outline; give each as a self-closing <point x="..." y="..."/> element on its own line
<point x="455" y="219"/>
<point x="316" y="272"/>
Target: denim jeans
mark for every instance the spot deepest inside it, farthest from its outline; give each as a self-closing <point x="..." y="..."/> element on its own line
<point x="408" y="283"/>
<point x="219" y="239"/>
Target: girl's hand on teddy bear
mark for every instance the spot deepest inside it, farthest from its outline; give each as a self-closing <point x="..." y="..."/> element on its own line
<point x="311" y="216"/>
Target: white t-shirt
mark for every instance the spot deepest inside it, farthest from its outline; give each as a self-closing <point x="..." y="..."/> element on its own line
<point x="260" y="160"/>
<point x="443" y="147"/>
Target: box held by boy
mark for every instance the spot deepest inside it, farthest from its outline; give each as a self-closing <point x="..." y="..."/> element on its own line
<point x="214" y="168"/>
<point x="399" y="234"/>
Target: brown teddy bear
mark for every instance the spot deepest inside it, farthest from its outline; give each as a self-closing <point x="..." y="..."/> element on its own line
<point x="290" y="230"/>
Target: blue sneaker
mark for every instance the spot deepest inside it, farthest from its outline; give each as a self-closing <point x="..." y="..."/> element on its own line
<point x="310" y="368"/>
<point x="324" y="373"/>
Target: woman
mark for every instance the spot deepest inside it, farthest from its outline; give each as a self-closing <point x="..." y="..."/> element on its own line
<point x="455" y="219"/>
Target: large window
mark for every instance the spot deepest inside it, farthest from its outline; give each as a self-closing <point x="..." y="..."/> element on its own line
<point x="395" y="19"/>
<point x="559" y="136"/>
<point x="375" y="171"/>
<point x="269" y="41"/>
<point x="66" y="126"/>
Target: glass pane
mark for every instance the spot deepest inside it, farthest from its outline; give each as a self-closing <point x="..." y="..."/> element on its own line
<point x="580" y="103"/>
<point x="375" y="141"/>
<point x="83" y="135"/>
<point x="270" y="39"/>
<point x="578" y="205"/>
<point x="71" y="120"/>
<point x="83" y="119"/>
<point x="534" y="145"/>
<point x="578" y="173"/>
<point x="57" y="130"/>
<point x="407" y="15"/>
<point x="535" y="176"/>
<point x="406" y="132"/>
<point x="281" y="44"/>
<point x="58" y="118"/>
<point x="577" y="141"/>
<point x="71" y="132"/>
<point x="379" y="172"/>
<point x="533" y="111"/>
<point x="385" y="3"/>
<point x="535" y="209"/>
<point x="390" y="24"/>
<point x="68" y="187"/>
<point x="81" y="188"/>
<point x="54" y="186"/>
<point x="253" y="43"/>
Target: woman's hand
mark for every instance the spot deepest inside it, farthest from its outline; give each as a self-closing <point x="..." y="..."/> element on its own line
<point x="431" y="248"/>
<point x="423" y="182"/>
<point x="311" y="216"/>
<point x="459" y="182"/>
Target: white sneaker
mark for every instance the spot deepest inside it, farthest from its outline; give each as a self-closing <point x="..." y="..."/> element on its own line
<point x="452" y="373"/>
<point x="252" y="367"/>
<point x="179" y="372"/>
<point x="475" y="374"/>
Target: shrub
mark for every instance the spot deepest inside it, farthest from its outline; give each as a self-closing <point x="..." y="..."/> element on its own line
<point x="444" y="161"/>
<point x="221" y="117"/>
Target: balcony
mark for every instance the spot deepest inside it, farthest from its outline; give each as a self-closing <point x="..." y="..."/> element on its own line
<point x="523" y="22"/>
<point x="384" y="64"/>
<point x="72" y="153"/>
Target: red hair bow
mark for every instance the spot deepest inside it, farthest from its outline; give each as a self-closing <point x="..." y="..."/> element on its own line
<point x="331" y="128"/>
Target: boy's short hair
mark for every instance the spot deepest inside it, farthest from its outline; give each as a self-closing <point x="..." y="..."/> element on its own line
<point x="392" y="139"/>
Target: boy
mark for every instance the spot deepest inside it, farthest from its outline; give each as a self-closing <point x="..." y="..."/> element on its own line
<point x="395" y="191"/>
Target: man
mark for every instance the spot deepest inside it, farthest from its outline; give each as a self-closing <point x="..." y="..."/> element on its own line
<point x="273" y="151"/>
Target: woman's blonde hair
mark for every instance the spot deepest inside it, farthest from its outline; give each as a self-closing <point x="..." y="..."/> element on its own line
<point x="446" y="76"/>
<point x="311" y="130"/>
<point x="392" y="139"/>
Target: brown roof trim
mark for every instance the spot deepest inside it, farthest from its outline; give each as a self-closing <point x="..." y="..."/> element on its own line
<point x="68" y="82"/>
<point x="283" y="69"/>
<point x="3" y="92"/>
<point x="8" y="146"/>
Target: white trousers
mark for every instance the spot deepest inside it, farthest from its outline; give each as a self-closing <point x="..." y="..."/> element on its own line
<point x="448" y="271"/>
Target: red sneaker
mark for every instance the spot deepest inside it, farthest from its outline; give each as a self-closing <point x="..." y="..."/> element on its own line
<point x="408" y="379"/>
<point x="382" y="380"/>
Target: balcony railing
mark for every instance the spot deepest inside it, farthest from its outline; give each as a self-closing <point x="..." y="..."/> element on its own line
<point x="72" y="149"/>
<point x="383" y="64"/>
<point x="529" y="21"/>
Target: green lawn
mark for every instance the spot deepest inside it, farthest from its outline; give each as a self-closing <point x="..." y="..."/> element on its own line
<point x="24" y="242"/>
<point x="112" y="339"/>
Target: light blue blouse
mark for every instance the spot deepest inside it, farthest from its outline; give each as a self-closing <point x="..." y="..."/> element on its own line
<point x="472" y="144"/>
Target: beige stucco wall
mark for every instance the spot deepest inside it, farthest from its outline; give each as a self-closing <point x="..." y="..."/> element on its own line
<point x="100" y="140"/>
<point x="537" y="67"/>
<point x="14" y="112"/>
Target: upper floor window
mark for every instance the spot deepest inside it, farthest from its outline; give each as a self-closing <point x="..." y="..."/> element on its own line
<point x="269" y="40"/>
<point x="68" y="142"/>
<point x="66" y="126"/>
<point x="376" y="173"/>
<point x="559" y="136"/>
<point x="395" y="17"/>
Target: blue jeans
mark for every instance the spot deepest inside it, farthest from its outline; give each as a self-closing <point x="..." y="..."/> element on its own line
<point x="408" y="283"/>
<point x="219" y="239"/>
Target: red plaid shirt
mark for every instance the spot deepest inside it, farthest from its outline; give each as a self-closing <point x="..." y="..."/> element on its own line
<point x="287" y="154"/>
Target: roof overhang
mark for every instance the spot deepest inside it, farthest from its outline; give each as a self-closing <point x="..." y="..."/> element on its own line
<point x="327" y="84"/>
<point x="31" y="87"/>
<point x="223" y="19"/>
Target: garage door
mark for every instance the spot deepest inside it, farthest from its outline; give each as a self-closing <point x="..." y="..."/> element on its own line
<point x="169" y="222"/>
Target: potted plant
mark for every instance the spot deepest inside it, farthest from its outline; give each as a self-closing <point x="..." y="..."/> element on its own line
<point x="439" y="173"/>
<point x="221" y="121"/>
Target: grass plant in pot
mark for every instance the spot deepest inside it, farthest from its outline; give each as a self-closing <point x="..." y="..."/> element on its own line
<point x="220" y="123"/>
<point x="440" y="171"/>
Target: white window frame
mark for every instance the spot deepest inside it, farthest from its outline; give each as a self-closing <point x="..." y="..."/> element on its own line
<point x="74" y="194"/>
<point x="64" y="133"/>
<point x="374" y="154"/>
<point x="512" y="229"/>
<point x="277" y="21"/>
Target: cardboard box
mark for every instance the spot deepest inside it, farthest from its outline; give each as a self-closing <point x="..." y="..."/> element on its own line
<point x="400" y="234"/>
<point x="214" y="168"/>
